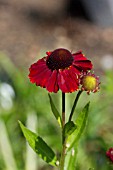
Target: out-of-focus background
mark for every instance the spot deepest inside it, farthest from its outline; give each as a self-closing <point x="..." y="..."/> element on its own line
<point x="27" y="30"/>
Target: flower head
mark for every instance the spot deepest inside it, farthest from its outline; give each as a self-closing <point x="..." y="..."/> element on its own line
<point x="60" y="69"/>
<point x="109" y="154"/>
<point x="89" y="82"/>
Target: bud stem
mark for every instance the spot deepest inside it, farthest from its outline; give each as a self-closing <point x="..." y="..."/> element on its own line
<point x="74" y="104"/>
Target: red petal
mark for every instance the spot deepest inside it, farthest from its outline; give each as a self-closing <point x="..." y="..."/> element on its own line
<point x="38" y="70"/>
<point x="42" y="79"/>
<point x="39" y="73"/>
<point x="79" y="56"/>
<point x="83" y="65"/>
<point x="67" y="81"/>
<point x="61" y="82"/>
<point x="72" y="79"/>
<point x="52" y="84"/>
<point x="48" y="52"/>
<point x="81" y="62"/>
<point x="75" y="70"/>
<point x="39" y="64"/>
<point x="74" y="76"/>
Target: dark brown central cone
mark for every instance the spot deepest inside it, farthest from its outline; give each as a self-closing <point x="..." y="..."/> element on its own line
<point x="59" y="59"/>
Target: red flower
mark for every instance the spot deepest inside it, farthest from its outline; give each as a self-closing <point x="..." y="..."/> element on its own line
<point x="109" y="154"/>
<point x="59" y="70"/>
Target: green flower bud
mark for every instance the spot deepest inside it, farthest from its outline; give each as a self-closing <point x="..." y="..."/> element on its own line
<point x="90" y="82"/>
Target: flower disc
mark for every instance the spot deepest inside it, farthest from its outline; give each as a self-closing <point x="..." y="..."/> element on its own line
<point x="59" y="59"/>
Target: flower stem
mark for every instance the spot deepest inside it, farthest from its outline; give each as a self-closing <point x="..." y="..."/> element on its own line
<point x="63" y="110"/>
<point x="62" y="160"/>
<point x="74" y="104"/>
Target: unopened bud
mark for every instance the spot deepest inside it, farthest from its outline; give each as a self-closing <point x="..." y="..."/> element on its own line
<point x="90" y="82"/>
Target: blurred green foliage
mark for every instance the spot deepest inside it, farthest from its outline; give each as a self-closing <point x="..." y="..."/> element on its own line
<point x="29" y="100"/>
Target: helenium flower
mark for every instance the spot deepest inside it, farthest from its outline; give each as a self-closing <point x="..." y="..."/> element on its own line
<point x="60" y="69"/>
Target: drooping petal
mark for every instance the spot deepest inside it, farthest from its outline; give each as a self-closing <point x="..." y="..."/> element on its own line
<point x="37" y="67"/>
<point x="36" y="72"/>
<point x="62" y="82"/>
<point x="74" y="70"/>
<point x="52" y="84"/>
<point x="67" y="82"/>
<point x="39" y="73"/>
<point x="74" y="76"/>
<point x="43" y="78"/>
<point x="39" y="62"/>
<point x="72" y="81"/>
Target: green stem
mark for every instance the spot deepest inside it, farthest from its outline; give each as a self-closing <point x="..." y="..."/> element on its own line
<point x="74" y="105"/>
<point x="62" y="160"/>
<point x="63" y="110"/>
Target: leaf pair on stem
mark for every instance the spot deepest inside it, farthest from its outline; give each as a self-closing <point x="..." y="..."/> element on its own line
<point x="71" y="133"/>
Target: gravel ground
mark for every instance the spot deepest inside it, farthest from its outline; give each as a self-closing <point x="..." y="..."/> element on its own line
<point x="25" y="36"/>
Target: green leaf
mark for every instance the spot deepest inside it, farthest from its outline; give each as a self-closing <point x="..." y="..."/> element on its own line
<point x="70" y="159"/>
<point x="69" y="128"/>
<point x="39" y="146"/>
<point x="55" y="111"/>
<point x="81" y="124"/>
<point x="73" y="139"/>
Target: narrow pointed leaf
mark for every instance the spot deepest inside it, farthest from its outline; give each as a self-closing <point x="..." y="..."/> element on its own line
<point x="70" y="159"/>
<point x="81" y="124"/>
<point x="55" y="111"/>
<point x="39" y="146"/>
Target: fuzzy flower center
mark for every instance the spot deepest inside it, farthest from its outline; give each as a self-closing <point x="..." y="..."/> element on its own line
<point x="59" y="59"/>
<point x="89" y="82"/>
